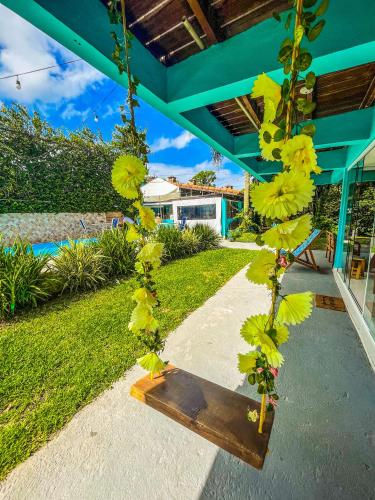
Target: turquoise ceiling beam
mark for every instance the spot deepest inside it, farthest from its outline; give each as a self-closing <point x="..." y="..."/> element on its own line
<point x="355" y="152"/>
<point x="327" y="160"/>
<point x="217" y="73"/>
<point x="83" y="27"/>
<point x="96" y="46"/>
<point x="228" y="69"/>
<point x="346" y="129"/>
<point x="329" y="177"/>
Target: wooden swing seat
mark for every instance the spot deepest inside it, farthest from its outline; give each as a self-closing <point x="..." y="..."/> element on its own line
<point x="212" y="411"/>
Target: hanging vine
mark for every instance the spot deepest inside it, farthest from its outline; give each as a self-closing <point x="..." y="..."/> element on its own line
<point x="128" y="174"/>
<point x="284" y="139"/>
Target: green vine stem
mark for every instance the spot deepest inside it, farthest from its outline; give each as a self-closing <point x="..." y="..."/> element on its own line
<point x="288" y="133"/>
<point x="128" y="174"/>
<point x="280" y="200"/>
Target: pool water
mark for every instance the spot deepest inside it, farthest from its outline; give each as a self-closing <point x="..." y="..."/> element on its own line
<point x="52" y="247"/>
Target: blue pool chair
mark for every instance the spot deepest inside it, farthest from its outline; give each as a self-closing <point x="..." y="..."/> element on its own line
<point x="303" y="254"/>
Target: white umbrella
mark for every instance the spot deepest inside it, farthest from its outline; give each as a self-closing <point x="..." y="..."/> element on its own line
<point x="159" y="190"/>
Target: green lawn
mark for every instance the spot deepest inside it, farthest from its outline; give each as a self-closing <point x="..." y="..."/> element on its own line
<point x="56" y="359"/>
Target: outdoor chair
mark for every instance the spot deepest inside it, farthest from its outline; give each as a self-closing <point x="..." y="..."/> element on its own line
<point x="330" y="246"/>
<point x="303" y="254"/>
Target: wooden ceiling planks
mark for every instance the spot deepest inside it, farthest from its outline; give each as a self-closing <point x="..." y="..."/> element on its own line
<point x="158" y="24"/>
<point x="339" y="92"/>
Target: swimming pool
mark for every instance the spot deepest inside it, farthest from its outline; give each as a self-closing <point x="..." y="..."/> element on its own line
<point x="52" y="247"/>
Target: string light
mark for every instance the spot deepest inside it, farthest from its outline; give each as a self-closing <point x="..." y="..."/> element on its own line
<point x="64" y="63"/>
<point x="18" y="83"/>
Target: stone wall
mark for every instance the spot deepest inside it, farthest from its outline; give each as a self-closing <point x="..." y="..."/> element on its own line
<point x="39" y="227"/>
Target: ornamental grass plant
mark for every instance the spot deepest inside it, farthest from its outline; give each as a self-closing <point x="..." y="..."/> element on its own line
<point x="119" y="251"/>
<point x="24" y="278"/>
<point x="80" y="267"/>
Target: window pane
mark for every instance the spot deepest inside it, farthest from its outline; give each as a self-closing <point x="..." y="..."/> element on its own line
<point x="197" y="212"/>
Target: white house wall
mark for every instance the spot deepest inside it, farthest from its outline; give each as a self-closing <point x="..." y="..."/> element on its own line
<point x="188" y="202"/>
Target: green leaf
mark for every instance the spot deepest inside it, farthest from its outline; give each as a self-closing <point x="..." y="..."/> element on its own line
<point x="261" y="268"/>
<point x="151" y="254"/>
<point x="295" y="308"/>
<point x="267" y="137"/>
<point x="305" y="106"/>
<point x="132" y="234"/>
<point x="262" y="389"/>
<point x="247" y="362"/>
<point x="142" y="319"/>
<point x="310" y="80"/>
<point x="309" y="3"/>
<point x="251" y="378"/>
<point x="308" y="18"/>
<point x="285" y="88"/>
<point x="285" y="53"/>
<point x="279" y="135"/>
<point x="280" y="108"/>
<point x="322" y="8"/>
<point x="304" y="60"/>
<point x="308" y="129"/>
<point x="144" y="296"/>
<point x="315" y="31"/>
<point x="288" y="21"/>
<point x="309" y="107"/>
<point x="152" y="363"/>
<point x="287" y="68"/>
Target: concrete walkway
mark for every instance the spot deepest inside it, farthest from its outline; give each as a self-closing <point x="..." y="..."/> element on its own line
<point x="323" y="440"/>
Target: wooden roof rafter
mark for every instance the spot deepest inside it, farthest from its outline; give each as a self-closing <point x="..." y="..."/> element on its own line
<point x="335" y="93"/>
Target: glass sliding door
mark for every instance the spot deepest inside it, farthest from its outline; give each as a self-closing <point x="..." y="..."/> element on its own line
<point x="359" y="244"/>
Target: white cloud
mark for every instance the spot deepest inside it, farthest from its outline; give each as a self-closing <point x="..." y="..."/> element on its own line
<point x="23" y="48"/>
<point x="179" y="142"/>
<point x="224" y="176"/>
<point x="71" y="111"/>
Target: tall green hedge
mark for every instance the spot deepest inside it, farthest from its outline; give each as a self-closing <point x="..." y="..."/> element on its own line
<point x="44" y="170"/>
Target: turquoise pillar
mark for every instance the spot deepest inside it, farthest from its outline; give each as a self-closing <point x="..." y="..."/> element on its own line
<point x="224" y="221"/>
<point x="342" y="220"/>
<point x="348" y="179"/>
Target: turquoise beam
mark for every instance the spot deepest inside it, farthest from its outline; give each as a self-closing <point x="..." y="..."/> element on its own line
<point x="327" y="160"/>
<point x="345" y="129"/>
<point x="329" y="177"/>
<point x="228" y="69"/>
<point x="83" y="27"/>
<point x="217" y="73"/>
<point x="96" y="46"/>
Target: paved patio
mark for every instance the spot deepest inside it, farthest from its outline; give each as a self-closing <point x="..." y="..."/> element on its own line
<point x="323" y="440"/>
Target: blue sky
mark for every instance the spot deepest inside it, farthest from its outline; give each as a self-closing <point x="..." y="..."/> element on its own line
<point x="71" y="95"/>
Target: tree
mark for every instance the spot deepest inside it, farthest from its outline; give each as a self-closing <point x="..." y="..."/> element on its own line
<point x="204" y="178"/>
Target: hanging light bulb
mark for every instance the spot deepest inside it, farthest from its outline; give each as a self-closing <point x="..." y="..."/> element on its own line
<point x="96" y="118"/>
<point x="18" y="84"/>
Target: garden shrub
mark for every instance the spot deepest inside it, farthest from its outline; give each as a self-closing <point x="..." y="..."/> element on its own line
<point x="208" y="237"/>
<point x="174" y="245"/>
<point x="191" y="241"/>
<point x="24" y="278"/>
<point x="80" y="267"/>
<point x="119" y="252"/>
